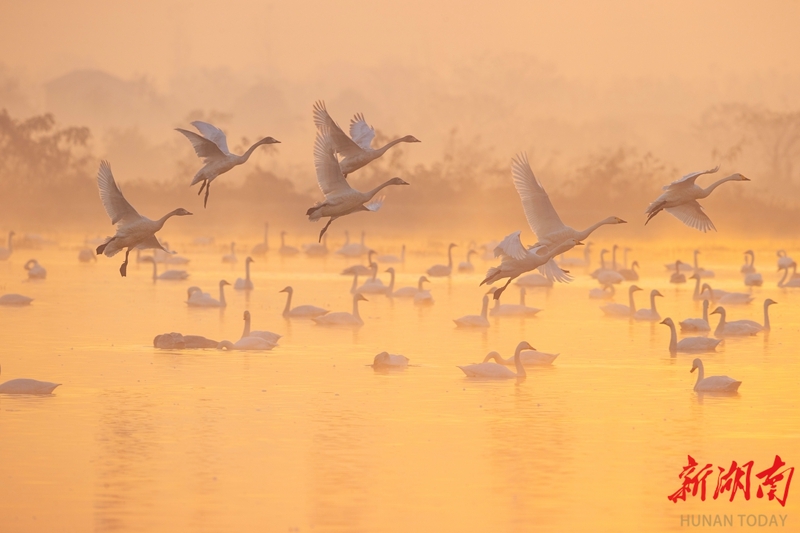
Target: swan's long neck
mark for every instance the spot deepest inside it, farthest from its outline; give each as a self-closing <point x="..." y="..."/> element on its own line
<point x="494" y="356"/>
<point x="653" y="303"/>
<point x="163" y="219"/>
<point x="222" y="295"/>
<point x="522" y="297"/>
<point x="603" y="260"/>
<point x="673" y="339"/>
<point x="10" y="243"/>
<point x="614" y="258"/>
<point x="225" y="345"/>
<point x="752" y="260"/>
<point x="288" y="303"/>
<point x="266" y="236"/>
<point x="155" y="270"/>
<point x="696" y="287"/>
<point x="419" y="284"/>
<point x="246" y="331"/>
<point x="450" y="257"/>
<point x="701" y="374"/>
<point x="283" y="240"/>
<point x="245" y="156"/>
<point x="782" y="282"/>
<point x="588" y="231"/>
<point x="518" y="362"/>
<point x="382" y="150"/>
<point x="705" y="310"/>
<point x="721" y="325"/>
<point x="374" y="271"/>
<point x="766" y="316"/>
<point x="403" y="254"/>
<point x="355" y="309"/>
<point x="355" y="284"/>
<point x="372" y="193"/>
<point x="391" y="283"/>
<point x="708" y="190"/>
<point x="485" y="306"/>
<point x="631" y="303"/>
<point x="247" y="270"/>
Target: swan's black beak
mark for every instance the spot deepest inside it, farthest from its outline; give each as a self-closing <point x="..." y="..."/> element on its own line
<point x="693" y="369"/>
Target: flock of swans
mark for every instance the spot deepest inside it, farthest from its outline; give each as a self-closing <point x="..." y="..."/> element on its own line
<point x="336" y="155"/>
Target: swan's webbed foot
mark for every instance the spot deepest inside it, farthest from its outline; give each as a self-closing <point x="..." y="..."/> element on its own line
<point x="123" y="270"/>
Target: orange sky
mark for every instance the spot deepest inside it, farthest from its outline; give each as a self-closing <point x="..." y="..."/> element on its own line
<point x="600" y="40"/>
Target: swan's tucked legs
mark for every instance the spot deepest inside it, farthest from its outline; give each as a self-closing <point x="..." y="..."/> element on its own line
<point x="208" y="190"/>
<point x="124" y="268"/>
<point x="202" y="186"/>
<point x="656" y="210"/>
<point x="499" y="291"/>
<point x="321" y="233"/>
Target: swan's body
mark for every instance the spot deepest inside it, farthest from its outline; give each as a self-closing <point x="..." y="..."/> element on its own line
<point x="198" y="298"/>
<point x="605" y="275"/>
<point x="353" y="249"/>
<point x="736" y="328"/>
<point x="133" y="230"/>
<point x="519" y="309"/>
<point x="316" y="249"/>
<point x="517" y="260"/>
<point x="262" y="247"/>
<point x="5" y="253"/>
<point x="712" y="383"/>
<point x="602" y="293"/>
<point x="355" y="150"/>
<point x="423" y="297"/>
<point x="793" y="281"/>
<point x="542" y="217"/>
<point x="27" y="386"/>
<point x="475" y="321"/>
<point x="340" y="198"/>
<point x="527" y="357"/>
<point x="410" y="292"/>
<point x="467" y="266"/>
<point x="373" y="285"/>
<point x="784" y="261"/>
<point x="176" y="341"/>
<point x="286" y="249"/>
<point x="87" y="255"/>
<point x="231" y="257"/>
<point x="621" y="310"/>
<point x="361" y="270"/>
<point x="688" y="344"/>
<point x="301" y="311"/>
<point x="440" y="271"/>
<point x="725" y="297"/>
<point x="167" y="275"/>
<point x="677" y="276"/>
<point x="754" y="279"/>
<point x="266" y="335"/>
<point x="697" y="324"/>
<point x="212" y="147"/>
<point x="498" y="371"/>
<point x="246" y="343"/>
<point x="533" y="280"/>
<point x="680" y="200"/>
<point x="652" y="313"/>
<point x="630" y="274"/>
<point x="15" y="299"/>
<point x="393" y="258"/>
<point x="245" y="284"/>
<point x="35" y="270"/>
<point x="389" y="360"/>
<point x="342" y="318"/>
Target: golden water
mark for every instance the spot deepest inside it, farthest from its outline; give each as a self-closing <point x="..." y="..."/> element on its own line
<point x="308" y="437"/>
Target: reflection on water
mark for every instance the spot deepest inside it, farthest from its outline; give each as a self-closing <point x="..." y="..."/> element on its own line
<point x="309" y="436"/>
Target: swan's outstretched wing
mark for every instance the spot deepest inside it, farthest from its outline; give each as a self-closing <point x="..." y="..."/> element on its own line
<point x="341" y="142"/>
<point x="361" y="132"/>
<point x="511" y="247"/>
<point x="329" y="174"/>
<point x="689" y="179"/>
<point x="114" y="202"/>
<point x="541" y="214"/>
<point x="692" y="214"/>
<point x="375" y="203"/>
<point x="213" y="134"/>
<point x="202" y="147"/>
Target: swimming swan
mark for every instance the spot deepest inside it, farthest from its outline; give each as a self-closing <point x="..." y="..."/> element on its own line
<point x="652" y="313"/>
<point x="389" y="360"/>
<point x="440" y="271"/>
<point x="498" y="371"/>
<point x="15" y="299"/>
<point x="5" y="253"/>
<point x="621" y="310"/>
<point x="410" y="292"/>
<point x="301" y="311"/>
<point x="467" y="266"/>
<point x="738" y="328"/>
<point x="528" y="358"/>
<point x="697" y="324"/>
<point x="342" y="318"/>
<point x="35" y="270"/>
<point x="514" y="309"/>
<point x="27" y="386"/>
<point x="688" y="344"/>
<point x="262" y="247"/>
<point x="199" y="298"/>
<point x="475" y="321"/>
<point x="266" y="335"/>
<point x="167" y="275"/>
<point x="245" y="284"/>
<point x="712" y="383"/>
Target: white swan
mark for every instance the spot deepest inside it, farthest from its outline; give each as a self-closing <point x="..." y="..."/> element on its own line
<point x="15" y="299"/>
<point x="467" y="266"/>
<point x="389" y="360"/>
<point x="410" y="292"/>
<point x="749" y="265"/>
<point x="542" y="216"/>
<point x="605" y="275"/>
<point x="266" y="335"/>
<point x="316" y="249"/>
<point x="167" y="275"/>
<point x="725" y="297"/>
<point x="736" y="328"/>
<point x="712" y="383"/>
<point x="199" y="298"/>
<point x="766" y="325"/>
<point x="86" y="255"/>
<point x="517" y="260"/>
<point x="340" y="198"/>
<point x="342" y="318"/>
<point x="5" y="253"/>
<point x="440" y="271"/>
<point x="361" y="270"/>
<point x="35" y="270"/>
<point x="498" y="371"/>
<point x="793" y="281"/>
<point x="475" y="321"/>
<point x="577" y="261"/>
<point x="177" y="341"/>
<point x="373" y="285"/>
<point x="355" y="150"/>
<point x="527" y="357"/>
<point x="423" y="297"/>
<point x="784" y="261"/>
<point x="533" y="280"/>
<point x="680" y="200"/>
<point x="677" y="276"/>
<point x="27" y="386"/>
<point x="652" y="313"/>
<point x="212" y="147"/>
<point x="286" y="249"/>
<point x="697" y="324"/>
<point x="700" y="271"/>
<point x="630" y="274"/>
<point x="245" y="284"/>
<point x="262" y="247"/>
<point x="519" y="309"/>
<point x="688" y="344"/>
<point x="353" y="249"/>
<point x="621" y="310"/>
<point x="301" y="311"/>
<point x="246" y="343"/>
<point x="389" y="258"/>
<point x="231" y="257"/>
<point x="606" y="292"/>
<point x="133" y="230"/>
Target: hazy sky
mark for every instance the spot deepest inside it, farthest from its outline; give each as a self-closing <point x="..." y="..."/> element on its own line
<point x="600" y="40"/>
